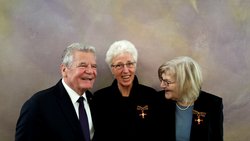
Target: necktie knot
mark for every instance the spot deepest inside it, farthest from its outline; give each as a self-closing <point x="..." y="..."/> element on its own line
<point x="80" y="99"/>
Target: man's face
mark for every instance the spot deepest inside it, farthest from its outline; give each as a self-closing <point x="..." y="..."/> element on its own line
<point x="81" y="75"/>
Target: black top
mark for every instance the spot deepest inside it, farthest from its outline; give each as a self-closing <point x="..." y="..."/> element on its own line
<point x="125" y="118"/>
<point x="49" y="115"/>
<point x="207" y="127"/>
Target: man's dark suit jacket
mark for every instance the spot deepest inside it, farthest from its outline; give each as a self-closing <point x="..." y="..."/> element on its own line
<point x="49" y="115"/>
<point x="210" y="129"/>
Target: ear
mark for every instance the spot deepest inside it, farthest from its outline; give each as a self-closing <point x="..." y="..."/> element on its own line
<point x="63" y="69"/>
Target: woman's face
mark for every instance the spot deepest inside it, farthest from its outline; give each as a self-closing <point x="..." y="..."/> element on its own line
<point x="169" y="84"/>
<point x="123" y="69"/>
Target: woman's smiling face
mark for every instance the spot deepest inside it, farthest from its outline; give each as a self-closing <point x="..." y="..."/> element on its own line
<point x="123" y="69"/>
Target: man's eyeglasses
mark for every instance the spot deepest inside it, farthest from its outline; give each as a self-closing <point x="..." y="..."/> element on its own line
<point x="121" y="66"/>
<point x="167" y="82"/>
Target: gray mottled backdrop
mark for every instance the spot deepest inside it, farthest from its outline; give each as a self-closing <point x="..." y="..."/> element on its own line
<point x="214" y="32"/>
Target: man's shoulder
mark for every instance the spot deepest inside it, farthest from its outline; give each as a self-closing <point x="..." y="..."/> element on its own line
<point x="46" y="93"/>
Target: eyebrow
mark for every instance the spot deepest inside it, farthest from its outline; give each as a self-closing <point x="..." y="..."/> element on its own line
<point x="124" y="63"/>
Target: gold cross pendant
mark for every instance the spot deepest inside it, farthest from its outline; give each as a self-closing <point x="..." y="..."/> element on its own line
<point x="199" y="115"/>
<point x="199" y="120"/>
<point x="142" y="109"/>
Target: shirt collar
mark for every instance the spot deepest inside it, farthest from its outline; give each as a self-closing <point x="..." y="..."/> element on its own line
<point x="72" y="94"/>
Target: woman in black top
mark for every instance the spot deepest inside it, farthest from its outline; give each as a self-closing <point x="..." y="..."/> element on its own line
<point x="187" y="112"/>
<point x="124" y="110"/>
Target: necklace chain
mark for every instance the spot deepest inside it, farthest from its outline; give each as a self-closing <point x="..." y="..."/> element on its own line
<point x="183" y="109"/>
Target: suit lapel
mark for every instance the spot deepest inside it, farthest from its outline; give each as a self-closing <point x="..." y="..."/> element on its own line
<point x="68" y="110"/>
<point x="199" y="121"/>
<point x="91" y="106"/>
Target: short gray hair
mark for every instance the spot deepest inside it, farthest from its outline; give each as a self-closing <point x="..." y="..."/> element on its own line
<point x="188" y="75"/>
<point x="67" y="56"/>
<point x="120" y="47"/>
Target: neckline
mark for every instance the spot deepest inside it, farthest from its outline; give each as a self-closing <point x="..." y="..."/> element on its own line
<point x="182" y="109"/>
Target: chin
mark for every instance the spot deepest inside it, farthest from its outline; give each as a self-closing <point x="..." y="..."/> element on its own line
<point x="126" y="84"/>
<point x="168" y="96"/>
<point x="87" y="86"/>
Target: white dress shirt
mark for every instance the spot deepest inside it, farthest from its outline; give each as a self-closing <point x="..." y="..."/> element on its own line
<point x="74" y="97"/>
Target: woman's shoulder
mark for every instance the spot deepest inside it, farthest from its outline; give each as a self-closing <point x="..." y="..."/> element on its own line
<point x="208" y="96"/>
<point x="146" y="88"/>
<point x="102" y="91"/>
<point x="209" y="100"/>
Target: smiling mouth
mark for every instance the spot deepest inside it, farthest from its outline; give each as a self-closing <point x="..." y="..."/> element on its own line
<point x="90" y="79"/>
<point x="126" y="77"/>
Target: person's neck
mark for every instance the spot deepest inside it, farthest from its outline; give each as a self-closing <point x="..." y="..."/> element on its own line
<point x="125" y="90"/>
<point x="184" y="104"/>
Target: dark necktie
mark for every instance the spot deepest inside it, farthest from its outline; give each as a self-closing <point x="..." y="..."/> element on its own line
<point x="83" y="119"/>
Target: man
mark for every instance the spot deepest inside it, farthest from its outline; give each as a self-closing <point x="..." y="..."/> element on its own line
<point x="52" y="114"/>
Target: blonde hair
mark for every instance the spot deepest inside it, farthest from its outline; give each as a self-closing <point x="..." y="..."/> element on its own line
<point x="188" y="75"/>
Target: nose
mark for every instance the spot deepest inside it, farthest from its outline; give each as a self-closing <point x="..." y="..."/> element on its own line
<point x="162" y="84"/>
<point x="125" y="68"/>
<point x="89" y="69"/>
